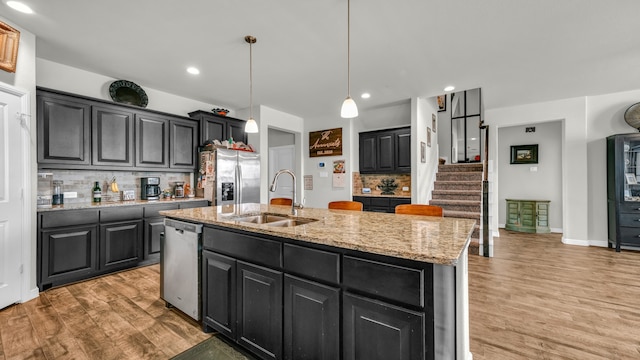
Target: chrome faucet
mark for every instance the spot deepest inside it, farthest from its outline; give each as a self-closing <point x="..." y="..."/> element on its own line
<point x="274" y="186"/>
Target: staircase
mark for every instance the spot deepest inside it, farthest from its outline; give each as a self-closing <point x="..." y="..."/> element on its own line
<point x="458" y="190"/>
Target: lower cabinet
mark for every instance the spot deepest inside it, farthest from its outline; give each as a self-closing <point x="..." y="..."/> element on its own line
<point x="259" y="313"/>
<point x="316" y="303"/>
<point x="374" y="330"/>
<point x="153" y="227"/>
<point x="530" y="216"/>
<point x="120" y="245"/>
<point x="381" y="203"/>
<point x="68" y="254"/>
<point x="311" y="320"/>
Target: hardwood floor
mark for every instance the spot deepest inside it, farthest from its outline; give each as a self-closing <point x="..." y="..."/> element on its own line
<point x="540" y="299"/>
<point x="119" y="316"/>
<point x="536" y="299"/>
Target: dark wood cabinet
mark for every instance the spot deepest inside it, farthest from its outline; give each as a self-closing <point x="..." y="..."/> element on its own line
<point x="68" y="254"/>
<point x="311" y="320"/>
<point x="377" y="330"/>
<point x="219" y="127"/>
<point x="112" y="136"/>
<point x="385" y="151"/>
<point x="64" y="130"/>
<point x="152" y="141"/>
<point x="120" y="245"/>
<point x="219" y="293"/>
<point x="153" y="228"/>
<point x="259" y="313"/>
<point x="380" y="203"/>
<point x="184" y="144"/>
<point x="76" y="132"/>
<point x="623" y="190"/>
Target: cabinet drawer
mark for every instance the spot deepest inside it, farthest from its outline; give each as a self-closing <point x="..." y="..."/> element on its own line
<point x="632" y="220"/>
<point x="375" y="201"/>
<point x="363" y="199"/>
<point x="121" y="213"/>
<point x="630" y="207"/>
<point x="630" y="236"/>
<point x="316" y="264"/>
<point x="245" y="247"/>
<point x="154" y="210"/>
<point x="68" y="218"/>
<point x="391" y="281"/>
<point x="395" y="202"/>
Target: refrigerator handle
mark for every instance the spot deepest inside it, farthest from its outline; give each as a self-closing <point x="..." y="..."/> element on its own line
<point x="238" y="184"/>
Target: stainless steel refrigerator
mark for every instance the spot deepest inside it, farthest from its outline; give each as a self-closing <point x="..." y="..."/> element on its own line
<point x="230" y="176"/>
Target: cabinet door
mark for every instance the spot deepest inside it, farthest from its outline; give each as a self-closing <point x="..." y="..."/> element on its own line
<point x="386" y="152"/>
<point x="112" y="134"/>
<point x="512" y="214"/>
<point x="528" y="214"/>
<point x="64" y="131"/>
<point x="212" y="128"/>
<point x="403" y="150"/>
<point x="152" y="229"/>
<point x="368" y="153"/>
<point x="68" y="254"/>
<point x="183" y="144"/>
<point x="152" y="140"/>
<point x="542" y="217"/>
<point x="219" y="293"/>
<point x="120" y="245"/>
<point x="260" y="310"/>
<point x="376" y="330"/>
<point x="311" y="320"/>
<point x="235" y="129"/>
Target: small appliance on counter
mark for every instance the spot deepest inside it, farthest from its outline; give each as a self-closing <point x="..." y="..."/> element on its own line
<point x="150" y="188"/>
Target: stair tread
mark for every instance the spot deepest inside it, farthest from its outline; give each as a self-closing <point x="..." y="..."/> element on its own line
<point x="461" y="214"/>
<point x="465" y="192"/>
<point x="455" y="202"/>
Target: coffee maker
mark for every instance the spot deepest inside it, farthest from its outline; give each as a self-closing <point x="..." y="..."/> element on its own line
<point x="150" y="188"/>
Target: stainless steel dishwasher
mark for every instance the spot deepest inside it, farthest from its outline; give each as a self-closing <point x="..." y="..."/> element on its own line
<point x="180" y="275"/>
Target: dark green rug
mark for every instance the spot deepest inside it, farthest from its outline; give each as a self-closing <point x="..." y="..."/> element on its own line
<point x="213" y="348"/>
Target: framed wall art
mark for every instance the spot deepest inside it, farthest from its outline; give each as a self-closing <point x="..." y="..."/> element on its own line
<point x="442" y="102"/>
<point x="423" y="152"/>
<point x="524" y="154"/>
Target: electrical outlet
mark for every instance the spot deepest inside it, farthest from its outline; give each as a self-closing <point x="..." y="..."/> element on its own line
<point x="405" y="188"/>
<point x="70" y="194"/>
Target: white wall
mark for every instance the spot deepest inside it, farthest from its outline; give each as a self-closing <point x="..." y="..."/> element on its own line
<point x="65" y="78"/>
<point x="423" y="174"/>
<point x="518" y="181"/>
<point x="575" y="194"/>
<point x="25" y="79"/>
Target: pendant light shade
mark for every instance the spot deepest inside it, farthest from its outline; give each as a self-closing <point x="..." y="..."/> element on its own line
<point x="251" y="127"/>
<point x="349" y="108"/>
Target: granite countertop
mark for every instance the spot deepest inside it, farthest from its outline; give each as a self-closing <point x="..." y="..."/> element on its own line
<point x="380" y="195"/>
<point x="90" y="205"/>
<point x="430" y="239"/>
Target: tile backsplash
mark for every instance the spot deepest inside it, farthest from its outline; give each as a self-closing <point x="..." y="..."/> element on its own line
<point x="81" y="181"/>
<point x="373" y="180"/>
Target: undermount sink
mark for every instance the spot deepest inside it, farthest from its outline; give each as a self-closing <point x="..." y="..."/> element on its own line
<point x="276" y="220"/>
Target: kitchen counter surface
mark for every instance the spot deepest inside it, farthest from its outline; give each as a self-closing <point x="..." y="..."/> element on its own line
<point x="380" y="195"/>
<point x="422" y="238"/>
<point x="85" y="205"/>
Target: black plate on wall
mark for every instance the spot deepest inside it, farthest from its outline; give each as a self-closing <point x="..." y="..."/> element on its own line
<point x="128" y="92"/>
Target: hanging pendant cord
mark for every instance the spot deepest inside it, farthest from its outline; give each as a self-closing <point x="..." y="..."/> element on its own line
<point x="250" y="80"/>
<point x="349" y="48"/>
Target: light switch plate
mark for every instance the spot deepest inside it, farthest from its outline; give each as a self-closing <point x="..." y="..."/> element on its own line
<point x="533" y="169"/>
<point x="405" y="188"/>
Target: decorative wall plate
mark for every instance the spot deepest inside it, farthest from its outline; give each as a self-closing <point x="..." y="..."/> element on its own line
<point x="632" y="115"/>
<point x="128" y="92"/>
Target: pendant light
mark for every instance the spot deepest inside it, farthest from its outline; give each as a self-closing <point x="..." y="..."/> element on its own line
<point x="349" y="108"/>
<point x="251" y="126"/>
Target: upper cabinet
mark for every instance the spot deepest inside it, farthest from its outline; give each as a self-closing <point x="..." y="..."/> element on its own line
<point x="385" y="151"/>
<point x="76" y="132"/>
<point x="64" y="130"/>
<point x="219" y="127"/>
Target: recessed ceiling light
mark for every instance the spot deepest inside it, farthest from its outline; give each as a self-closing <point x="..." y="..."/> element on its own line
<point x="16" y="5"/>
<point x="449" y="88"/>
<point x="365" y="95"/>
<point x="193" y="70"/>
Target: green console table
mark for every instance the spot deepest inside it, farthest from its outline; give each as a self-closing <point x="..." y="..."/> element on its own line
<point x="530" y="216"/>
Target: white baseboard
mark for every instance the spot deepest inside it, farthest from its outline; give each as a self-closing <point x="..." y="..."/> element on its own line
<point x="30" y="295"/>
<point x="601" y="243"/>
<point x="575" y="242"/>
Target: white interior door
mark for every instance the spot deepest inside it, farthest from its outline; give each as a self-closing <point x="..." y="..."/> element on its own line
<point x="281" y="157"/>
<point x="11" y="202"/>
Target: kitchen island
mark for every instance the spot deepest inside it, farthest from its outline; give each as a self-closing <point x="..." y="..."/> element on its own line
<point x="340" y="284"/>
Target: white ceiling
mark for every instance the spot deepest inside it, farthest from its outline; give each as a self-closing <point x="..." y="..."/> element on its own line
<point x="517" y="51"/>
